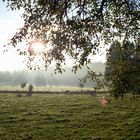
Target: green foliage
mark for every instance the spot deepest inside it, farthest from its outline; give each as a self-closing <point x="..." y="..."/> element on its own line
<point x="74" y="27"/>
<point x="122" y="70"/>
<point x="67" y="117"/>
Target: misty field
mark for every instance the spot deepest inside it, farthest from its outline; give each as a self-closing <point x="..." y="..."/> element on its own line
<point x="45" y="88"/>
<point x="67" y="117"/>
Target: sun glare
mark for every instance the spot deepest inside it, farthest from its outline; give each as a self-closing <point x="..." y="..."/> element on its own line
<point x="35" y="47"/>
<point x="38" y="47"/>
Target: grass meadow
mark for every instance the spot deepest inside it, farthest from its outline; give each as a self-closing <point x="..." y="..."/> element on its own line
<point x="68" y="117"/>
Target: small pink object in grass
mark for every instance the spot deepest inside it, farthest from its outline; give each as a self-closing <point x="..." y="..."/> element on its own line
<point x="104" y="101"/>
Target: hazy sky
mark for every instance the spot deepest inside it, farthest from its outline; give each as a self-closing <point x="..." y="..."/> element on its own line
<point x="10" y="22"/>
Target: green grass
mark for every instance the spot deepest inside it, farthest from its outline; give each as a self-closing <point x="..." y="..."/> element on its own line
<point x="67" y="117"/>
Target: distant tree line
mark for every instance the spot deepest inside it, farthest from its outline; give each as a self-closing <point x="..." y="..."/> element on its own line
<point x="43" y="78"/>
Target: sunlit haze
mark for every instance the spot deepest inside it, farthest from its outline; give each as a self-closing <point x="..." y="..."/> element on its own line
<point x="10" y="22"/>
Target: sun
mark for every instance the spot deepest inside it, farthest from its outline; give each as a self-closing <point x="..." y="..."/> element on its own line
<point x="38" y="46"/>
<point x="35" y="47"/>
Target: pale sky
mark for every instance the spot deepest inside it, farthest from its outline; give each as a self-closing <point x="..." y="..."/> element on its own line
<point x="10" y="22"/>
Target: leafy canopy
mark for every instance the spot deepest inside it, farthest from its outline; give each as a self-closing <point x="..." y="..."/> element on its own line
<point x="74" y="27"/>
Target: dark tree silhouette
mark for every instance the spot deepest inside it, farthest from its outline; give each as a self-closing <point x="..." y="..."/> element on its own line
<point x="30" y="89"/>
<point x="81" y="84"/>
<point x="23" y="84"/>
<point x="123" y="68"/>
